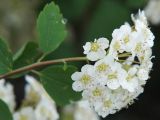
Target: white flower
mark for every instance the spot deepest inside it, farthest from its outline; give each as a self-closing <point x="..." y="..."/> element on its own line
<point x="105" y="108"/>
<point x="130" y="81"/>
<point x="84" y="112"/>
<point x="102" y="67"/>
<point x="146" y="55"/>
<point x="147" y="64"/>
<point x="83" y="79"/>
<point x="113" y="101"/>
<point x="116" y="79"/>
<point x="36" y="87"/>
<point x="96" y="50"/>
<point x="94" y="94"/>
<point x="144" y="34"/>
<point x="115" y="76"/>
<point x="140" y="18"/>
<point x="32" y="97"/>
<point x="26" y="113"/>
<point x="141" y="46"/>
<point x="121" y="40"/>
<point x="7" y="95"/>
<point x="143" y="74"/>
<point x="46" y="110"/>
<point x="152" y="11"/>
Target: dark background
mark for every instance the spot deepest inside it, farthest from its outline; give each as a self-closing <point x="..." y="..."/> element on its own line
<point x="86" y="20"/>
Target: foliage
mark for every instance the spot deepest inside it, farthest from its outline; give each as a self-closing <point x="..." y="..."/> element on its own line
<point x="4" y="112"/>
<point x="57" y="82"/>
<point x="51" y="28"/>
<point x="6" y="58"/>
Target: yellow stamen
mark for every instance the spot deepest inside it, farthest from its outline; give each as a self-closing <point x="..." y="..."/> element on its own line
<point x="97" y="92"/>
<point x="138" y="47"/>
<point x="94" y="47"/>
<point x="85" y="79"/>
<point x="116" y="46"/>
<point x="112" y="76"/>
<point x="107" y="103"/>
<point x="129" y="77"/>
<point x="23" y="117"/>
<point x="102" y="67"/>
<point x="126" y="39"/>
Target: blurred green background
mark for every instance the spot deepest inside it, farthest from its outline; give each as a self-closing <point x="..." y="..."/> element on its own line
<point x="86" y="20"/>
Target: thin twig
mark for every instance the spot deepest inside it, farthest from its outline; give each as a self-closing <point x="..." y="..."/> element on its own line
<point x="128" y="61"/>
<point x="50" y="62"/>
<point x="41" y="64"/>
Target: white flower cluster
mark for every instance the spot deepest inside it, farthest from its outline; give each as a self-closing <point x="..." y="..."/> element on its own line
<point x="119" y="73"/>
<point x="37" y="105"/>
<point x="7" y="95"/>
<point x="152" y="11"/>
<point x="84" y="112"/>
<point x="79" y="111"/>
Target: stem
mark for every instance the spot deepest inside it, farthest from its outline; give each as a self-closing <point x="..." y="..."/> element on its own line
<point x="41" y="58"/>
<point x="129" y="61"/>
<point x="124" y="55"/>
<point x="41" y="64"/>
<point x="50" y="62"/>
<point x="36" y="72"/>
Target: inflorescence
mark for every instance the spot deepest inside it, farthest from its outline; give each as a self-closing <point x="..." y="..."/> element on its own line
<point x="120" y="69"/>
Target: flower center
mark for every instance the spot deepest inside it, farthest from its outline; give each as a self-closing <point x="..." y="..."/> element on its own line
<point x="112" y="76"/>
<point x="138" y="47"/>
<point x="23" y="117"/>
<point x="126" y="39"/>
<point x="126" y="67"/>
<point x="97" y="92"/>
<point x="102" y="67"/>
<point x="94" y="47"/>
<point x="85" y="79"/>
<point x="116" y="46"/>
<point x="129" y="77"/>
<point x="107" y="103"/>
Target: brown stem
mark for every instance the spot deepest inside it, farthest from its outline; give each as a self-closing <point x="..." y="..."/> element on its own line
<point x="41" y="64"/>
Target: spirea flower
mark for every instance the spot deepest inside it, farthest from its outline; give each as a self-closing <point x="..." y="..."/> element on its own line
<point x="84" y="112"/>
<point x="83" y="79"/>
<point x="37" y="104"/>
<point x="7" y="95"/>
<point x="79" y="110"/>
<point x="96" y="50"/>
<point x="117" y="75"/>
<point x="26" y="113"/>
<point x="46" y="110"/>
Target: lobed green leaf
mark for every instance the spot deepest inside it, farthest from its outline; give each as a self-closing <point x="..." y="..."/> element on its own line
<point x="51" y="28"/>
<point x="5" y="58"/>
<point x="5" y="113"/>
<point x="57" y="82"/>
<point x="27" y="55"/>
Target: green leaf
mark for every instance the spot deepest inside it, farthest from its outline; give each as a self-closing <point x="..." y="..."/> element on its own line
<point x="5" y="58"/>
<point x="27" y="55"/>
<point x="57" y="82"/>
<point x="5" y="113"/>
<point x="50" y="27"/>
<point x="66" y="49"/>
